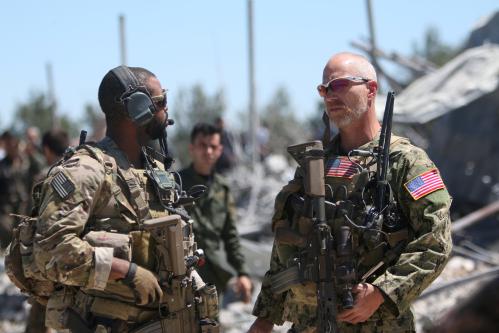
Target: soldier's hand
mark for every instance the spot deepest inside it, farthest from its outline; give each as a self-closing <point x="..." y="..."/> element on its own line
<point x="144" y="284"/>
<point x="261" y="325"/>
<point x="368" y="298"/>
<point x="244" y="287"/>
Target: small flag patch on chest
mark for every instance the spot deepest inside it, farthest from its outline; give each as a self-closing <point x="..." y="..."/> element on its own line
<point x="424" y="184"/>
<point x="62" y="185"/>
<point x="341" y="167"/>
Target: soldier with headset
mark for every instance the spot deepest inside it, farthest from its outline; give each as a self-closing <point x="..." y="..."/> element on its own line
<point x="103" y="266"/>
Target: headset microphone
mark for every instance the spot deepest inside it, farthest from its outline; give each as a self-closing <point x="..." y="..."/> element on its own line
<point x="170" y="122"/>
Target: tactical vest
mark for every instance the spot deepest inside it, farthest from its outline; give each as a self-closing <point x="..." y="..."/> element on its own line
<point x="349" y="191"/>
<point x="126" y="199"/>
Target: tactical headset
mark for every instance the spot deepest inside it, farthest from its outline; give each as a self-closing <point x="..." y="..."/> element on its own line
<point x="136" y="100"/>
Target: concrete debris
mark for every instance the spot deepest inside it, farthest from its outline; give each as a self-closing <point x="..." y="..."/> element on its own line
<point x="429" y="310"/>
<point x="255" y="191"/>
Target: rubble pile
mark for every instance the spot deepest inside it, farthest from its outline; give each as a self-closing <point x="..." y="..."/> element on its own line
<point x="254" y="192"/>
<point x="429" y="310"/>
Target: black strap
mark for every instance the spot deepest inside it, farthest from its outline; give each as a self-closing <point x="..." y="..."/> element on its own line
<point x="126" y="77"/>
<point x="132" y="270"/>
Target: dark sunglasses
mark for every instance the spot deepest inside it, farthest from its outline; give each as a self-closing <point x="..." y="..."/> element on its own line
<point x="160" y="101"/>
<point x="339" y="84"/>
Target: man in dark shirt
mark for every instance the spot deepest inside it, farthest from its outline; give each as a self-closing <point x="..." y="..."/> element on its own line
<point x="214" y="213"/>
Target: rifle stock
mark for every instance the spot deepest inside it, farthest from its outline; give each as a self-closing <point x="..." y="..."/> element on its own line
<point x="167" y="232"/>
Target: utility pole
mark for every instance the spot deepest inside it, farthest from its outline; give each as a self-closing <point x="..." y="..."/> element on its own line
<point x="122" y="40"/>
<point x="51" y="95"/>
<point x="374" y="47"/>
<point x="253" y="115"/>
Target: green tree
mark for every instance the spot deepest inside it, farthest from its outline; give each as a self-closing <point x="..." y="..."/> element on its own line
<point x="284" y="127"/>
<point x="434" y="49"/>
<point x="40" y="112"/>
<point x="193" y="105"/>
<point x="37" y="111"/>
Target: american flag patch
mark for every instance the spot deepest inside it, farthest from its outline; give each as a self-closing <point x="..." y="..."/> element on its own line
<point x="341" y="167"/>
<point x="62" y="185"/>
<point x="424" y="184"/>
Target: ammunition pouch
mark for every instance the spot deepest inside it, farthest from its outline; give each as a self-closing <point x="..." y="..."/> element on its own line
<point x="120" y="243"/>
<point x="208" y="302"/>
<point x="59" y="302"/>
<point x="303" y="290"/>
<point x="20" y="263"/>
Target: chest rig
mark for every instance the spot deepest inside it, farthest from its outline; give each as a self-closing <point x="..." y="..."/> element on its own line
<point x="138" y="213"/>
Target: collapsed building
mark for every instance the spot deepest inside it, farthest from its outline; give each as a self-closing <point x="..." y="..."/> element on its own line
<point x="453" y="113"/>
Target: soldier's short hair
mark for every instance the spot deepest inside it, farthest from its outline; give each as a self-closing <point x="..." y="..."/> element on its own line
<point x="111" y="89"/>
<point x="204" y="129"/>
<point x="56" y="141"/>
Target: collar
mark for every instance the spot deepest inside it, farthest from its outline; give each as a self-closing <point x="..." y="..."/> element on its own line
<point x="111" y="148"/>
<point x="334" y="147"/>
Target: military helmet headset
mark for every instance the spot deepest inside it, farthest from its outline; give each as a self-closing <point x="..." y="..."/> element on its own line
<point x="136" y="100"/>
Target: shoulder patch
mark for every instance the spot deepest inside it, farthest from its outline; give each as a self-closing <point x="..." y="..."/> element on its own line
<point x="424" y="184"/>
<point x="62" y="185"/>
<point x="341" y="167"/>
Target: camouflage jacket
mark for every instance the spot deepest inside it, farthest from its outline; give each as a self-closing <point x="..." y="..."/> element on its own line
<point x="419" y="263"/>
<point x="214" y="216"/>
<point x="97" y="189"/>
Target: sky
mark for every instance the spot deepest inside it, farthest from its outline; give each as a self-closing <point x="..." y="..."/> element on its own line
<point x="205" y="42"/>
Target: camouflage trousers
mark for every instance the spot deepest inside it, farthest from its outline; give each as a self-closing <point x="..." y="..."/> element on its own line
<point x="304" y="320"/>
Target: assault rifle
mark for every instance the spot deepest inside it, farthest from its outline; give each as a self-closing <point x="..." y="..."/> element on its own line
<point x="310" y="156"/>
<point x="375" y="215"/>
<point x="380" y="214"/>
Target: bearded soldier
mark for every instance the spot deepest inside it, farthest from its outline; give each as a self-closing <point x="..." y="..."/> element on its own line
<point x="109" y="235"/>
<point x="390" y="266"/>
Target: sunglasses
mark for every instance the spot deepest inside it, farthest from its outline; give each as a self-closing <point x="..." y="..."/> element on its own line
<point x="160" y="101"/>
<point x="339" y="84"/>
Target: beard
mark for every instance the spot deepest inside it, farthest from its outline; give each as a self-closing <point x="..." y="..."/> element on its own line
<point x="347" y="118"/>
<point x="348" y="115"/>
<point x="155" y="128"/>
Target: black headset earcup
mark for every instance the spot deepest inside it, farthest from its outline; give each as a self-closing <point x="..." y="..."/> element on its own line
<point x="140" y="108"/>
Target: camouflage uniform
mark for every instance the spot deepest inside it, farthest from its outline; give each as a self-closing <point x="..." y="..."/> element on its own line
<point x="419" y="263"/>
<point x="214" y="221"/>
<point x="96" y="189"/>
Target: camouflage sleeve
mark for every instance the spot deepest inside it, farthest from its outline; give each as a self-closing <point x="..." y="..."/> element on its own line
<point x="428" y="249"/>
<point x="269" y="305"/>
<point x="231" y="237"/>
<point x="68" y="198"/>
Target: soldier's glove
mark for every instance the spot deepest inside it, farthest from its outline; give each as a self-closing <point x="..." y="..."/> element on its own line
<point x="144" y="284"/>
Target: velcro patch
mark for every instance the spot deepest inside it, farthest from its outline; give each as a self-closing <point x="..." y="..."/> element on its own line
<point x="424" y="184"/>
<point x="342" y="167"/>
<point x="62" y="185"/>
